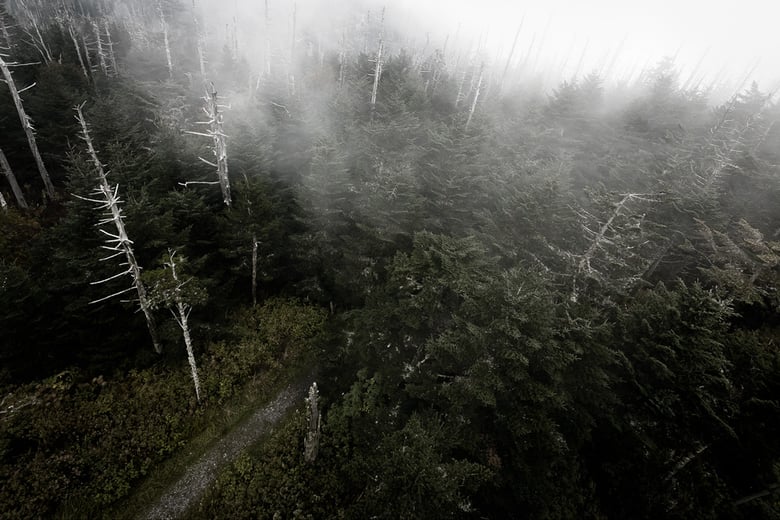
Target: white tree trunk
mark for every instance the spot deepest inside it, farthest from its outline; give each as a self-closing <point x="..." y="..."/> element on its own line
<point x="377" y="75"/>
<point x="27" y="126"/>
<point x="476" y="95"/>
<point x="311" y="443"/>
<point x="511" y="55"/>
<point x="254" y="269"/>
<point x="166" y="41"/>
<point x="120" y="243"/>
<point x="77" y="46"/>
<point x="110" y="45"/>
<point x="100" y="51"/>
<point x="4" y="32"/>
<point x="183" y="310"/>
<point x="36" y="38"/>
<point x="3" y="203"/>
<point x="87" y="59"/>
<point x="201" y="44"/>
<point x="267" y="41"/>
<point x="9" y="174"/>
<point x="185" y="330"/>
<point x="292" y="51"/>
<point x="220" y="144"/>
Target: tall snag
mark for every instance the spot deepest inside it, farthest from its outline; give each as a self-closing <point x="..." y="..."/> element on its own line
<point x="9" y="174"/>
<point x="67" y="24"/>
<point x="378" y="66"/>
<point x="29" y="131"/>
<point x="107" y="199"/>
<point x="477" y="91"/>
<point x="219" y="140"/>
<point x="311" y="443"/>
<point x="166" y="40"/>
<point x="167" y="289"/>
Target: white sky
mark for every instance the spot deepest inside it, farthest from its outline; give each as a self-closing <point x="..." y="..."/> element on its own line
<point x="730" y="34"/>
<point x="729" y="37"/>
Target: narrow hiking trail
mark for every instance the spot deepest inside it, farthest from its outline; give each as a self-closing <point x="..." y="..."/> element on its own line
<point x="199" y="476"/>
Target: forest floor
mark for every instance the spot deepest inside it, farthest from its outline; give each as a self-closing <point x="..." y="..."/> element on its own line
<point x="201" y="474"/>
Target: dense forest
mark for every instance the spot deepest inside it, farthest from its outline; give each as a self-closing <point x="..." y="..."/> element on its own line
<point x="516" y="302"/>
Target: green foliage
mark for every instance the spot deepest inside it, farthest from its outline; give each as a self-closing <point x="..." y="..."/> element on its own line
<point x="567" y="310"/>
<point x="265" y="337"/>
<point x="165" y="291"/>
<point x="92" y="440"/>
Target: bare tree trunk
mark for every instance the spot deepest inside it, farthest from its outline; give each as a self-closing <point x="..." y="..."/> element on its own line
<point x="4" y="31"/>
<point x="292" y="50"/>
<point x="511" y="55"/>
<point x="311" y="443"/>
<point x="342" y="59"/>
<point x="183" y="310"/>
<point x="379" y="64"/>
<point x="3" y="203"/>
<point x="165" y="39"/>
<point x="119" y="242"/>
<point x="459" y="95"/>
<point x="200" y="39"/>
<point x="254" y="269"/>
<point x="219" y="148"/>
<point x="185" y="330"/>
<point x="220" y="145"/>
<point x="76" y="46"/>
<point x="476" y="94"/>
<point x="111" y="54"/>
<point x="87" y="59"/>
<point x="377" y="76"/>
<point x="685" y="461"/>
<point x="267" y="41"/>
<point x="27" y="126"/>
<point x="36" y="38"/>
<point x="9" y="174"/>
<point x="100" y="52"/>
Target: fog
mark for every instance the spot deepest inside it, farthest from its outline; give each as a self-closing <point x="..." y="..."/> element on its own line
<point x="716" y="46"/>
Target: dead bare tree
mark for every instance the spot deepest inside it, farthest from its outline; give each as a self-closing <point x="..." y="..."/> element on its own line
<point x="477" y="91"/>
<point x="179" y="296"/>
<point x="459" y="95"/>
<point x="616" y="243"/>
<point x="166" y="40"/>
<point x="267" y="41"/>
<point x="510" y="56"/>
<point x="68" y="25"/>
<point x="87" y="59"/>
<point x="9" y="174"/>
<point x="216" y="133"/>
<point x="311" y="443"/>
<point x="291" y="68"/>
<point x="5" y="68"/>
<point x="255" y="245"/>
<point x="110" y="47"/>
<point x="107" y="199"/>
<point x="7" y="42"/>
<point x="101" y="53"/>
<point x="342" y="60"/>
<point x="33" y="32"/>
<point x="200" y="40"/>
<point x="378" y="66"/>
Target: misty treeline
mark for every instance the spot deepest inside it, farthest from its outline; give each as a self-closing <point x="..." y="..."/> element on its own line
<point x="522" y="304"/>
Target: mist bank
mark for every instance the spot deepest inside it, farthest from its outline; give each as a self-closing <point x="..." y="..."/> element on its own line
<point x="518" y="45"/>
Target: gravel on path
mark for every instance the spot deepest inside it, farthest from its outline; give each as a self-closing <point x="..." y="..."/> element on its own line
<point x="198" y="477"/>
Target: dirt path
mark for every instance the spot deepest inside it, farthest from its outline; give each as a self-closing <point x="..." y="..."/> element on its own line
<point x="191" y="486"/>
